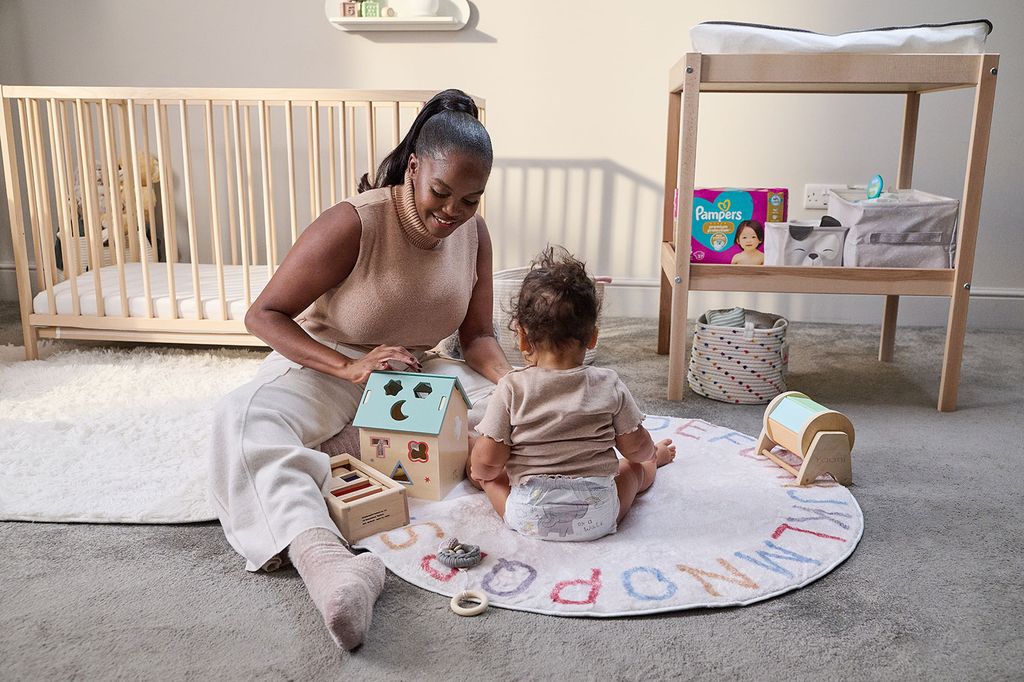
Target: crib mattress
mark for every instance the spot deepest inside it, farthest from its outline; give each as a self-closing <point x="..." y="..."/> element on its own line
<point x="184" y="293"/>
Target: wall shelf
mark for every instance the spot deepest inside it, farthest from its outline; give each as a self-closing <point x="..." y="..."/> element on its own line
<point x="452" y="15"/>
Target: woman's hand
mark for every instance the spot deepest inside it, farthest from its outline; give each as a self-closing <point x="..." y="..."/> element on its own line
<point x="476" y="335"/>
<point x="379" y="359"/>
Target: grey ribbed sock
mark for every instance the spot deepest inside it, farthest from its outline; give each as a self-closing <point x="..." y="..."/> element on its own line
<point x="343" y="587"/>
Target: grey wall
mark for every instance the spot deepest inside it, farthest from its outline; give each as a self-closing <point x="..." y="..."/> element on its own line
<point x="576" y="95"/>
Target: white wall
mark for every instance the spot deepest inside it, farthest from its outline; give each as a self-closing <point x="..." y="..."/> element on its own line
<point x="576" y="96"/>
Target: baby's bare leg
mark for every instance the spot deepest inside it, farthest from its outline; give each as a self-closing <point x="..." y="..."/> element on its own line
<point x="476" y="484"/>
<point x="497" y="491"/>
<point x="633" y="478"/>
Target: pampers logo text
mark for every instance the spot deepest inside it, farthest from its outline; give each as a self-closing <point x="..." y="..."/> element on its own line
<point x="701" y="213"/>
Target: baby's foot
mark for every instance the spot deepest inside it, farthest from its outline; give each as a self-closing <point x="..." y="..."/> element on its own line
<point x="666" y="451"/>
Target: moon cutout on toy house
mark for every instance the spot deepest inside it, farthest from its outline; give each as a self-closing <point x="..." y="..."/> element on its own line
<point x="396" y="411"/>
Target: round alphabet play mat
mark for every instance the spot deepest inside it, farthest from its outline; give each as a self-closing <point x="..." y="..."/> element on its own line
<point x="722" y="526"/>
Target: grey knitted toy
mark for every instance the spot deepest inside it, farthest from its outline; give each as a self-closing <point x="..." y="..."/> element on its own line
<point x="454" y="554"/>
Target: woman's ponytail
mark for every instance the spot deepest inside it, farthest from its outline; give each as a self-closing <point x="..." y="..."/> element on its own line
<point x="457" y="126"/>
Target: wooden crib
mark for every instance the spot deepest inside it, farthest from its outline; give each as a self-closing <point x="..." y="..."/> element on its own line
<point x="159" y="214"/>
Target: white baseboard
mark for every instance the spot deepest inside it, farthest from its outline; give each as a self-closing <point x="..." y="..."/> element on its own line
<point x="9" y="282"/>
<point x="990" y="307"/>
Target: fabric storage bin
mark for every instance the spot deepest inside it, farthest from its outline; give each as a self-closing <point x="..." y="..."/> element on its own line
<point x="903" y="229"/>
<point x="803" y="243"/>
<point x="740" y="365"/>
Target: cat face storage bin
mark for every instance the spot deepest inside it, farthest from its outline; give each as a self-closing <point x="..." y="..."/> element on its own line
<point x="803" y="243"/>
<point x="902" y="229"/>
<point x="739" y="357"/>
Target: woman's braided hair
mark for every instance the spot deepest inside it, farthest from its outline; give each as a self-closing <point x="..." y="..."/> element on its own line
<point x="557" y="306"/>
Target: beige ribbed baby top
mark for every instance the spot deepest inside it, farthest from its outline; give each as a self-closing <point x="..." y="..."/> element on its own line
<point x="407" y="288"/>
<point x="560" y="421"/>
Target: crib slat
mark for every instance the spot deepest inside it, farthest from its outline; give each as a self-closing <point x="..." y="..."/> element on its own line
<point x="371" y="141"/>
<point x="115" y="236"/>
<point x="167" y="186"/>
<point x="396" y="134"/>
<point x="190" y="210"/>
<point x="228" y="174"/>
<point x="149" y="213"/>
<point x="45" y="261"/>
<point x="69" y="174"/>
<point x="289" y="127"/>
<point x="332" y="171"/>
<point x="268" y="190"/>
<point x="250" y="225"/>
<point x="140" y="215"/>
<point x="343" y="157"/>
<point x="243" y="233"/>
<point x="87" y="170"/>
<point x="63" y="195"/>
<point x="350" y="137"/>
<point x="50" y="261"/>
<point x="129" y="160"/>
<point x="31" y="188"/>
<point x="313" y="149"/>
<point x="49" y="249"/>
<point x="218" y="258"/>
<point x="159" y="120"/>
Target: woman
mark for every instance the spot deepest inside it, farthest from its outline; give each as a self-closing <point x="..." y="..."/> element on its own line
<point x="372" y="284"/>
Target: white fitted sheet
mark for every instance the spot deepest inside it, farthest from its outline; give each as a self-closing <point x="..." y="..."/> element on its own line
<point x="186" y="298"/>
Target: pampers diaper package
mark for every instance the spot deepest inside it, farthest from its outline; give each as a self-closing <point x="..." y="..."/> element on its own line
<point x="717" y="215"/>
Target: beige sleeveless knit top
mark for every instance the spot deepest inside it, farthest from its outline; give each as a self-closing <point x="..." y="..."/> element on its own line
<point x="407" y="288"/>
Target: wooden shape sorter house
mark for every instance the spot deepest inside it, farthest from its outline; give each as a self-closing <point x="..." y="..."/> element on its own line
<point x="414" y="428"/>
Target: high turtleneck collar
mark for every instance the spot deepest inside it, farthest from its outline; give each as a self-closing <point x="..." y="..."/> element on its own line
<point x="412" y="226"/>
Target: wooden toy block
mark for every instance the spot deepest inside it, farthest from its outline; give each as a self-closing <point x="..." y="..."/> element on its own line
<point x="352" y="487"/>
<point x="349" y="9"/>
<point x="362" y="501"/>
<point x="821" y="437"/>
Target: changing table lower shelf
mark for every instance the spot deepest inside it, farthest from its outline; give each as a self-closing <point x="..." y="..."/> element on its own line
<point x="794" y="279"/>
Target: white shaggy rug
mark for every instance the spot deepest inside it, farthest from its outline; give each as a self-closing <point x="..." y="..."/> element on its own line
<point x="721" y="526"/>
<point x="111" y="435"/>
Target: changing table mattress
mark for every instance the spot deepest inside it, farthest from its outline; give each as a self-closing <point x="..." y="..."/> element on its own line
<point x="186" y="298"/>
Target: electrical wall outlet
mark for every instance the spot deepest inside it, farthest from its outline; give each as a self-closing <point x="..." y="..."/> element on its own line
<point x="816" y="195"/>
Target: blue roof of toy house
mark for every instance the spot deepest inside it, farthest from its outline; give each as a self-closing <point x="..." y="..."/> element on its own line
<point x="407" y="401"/>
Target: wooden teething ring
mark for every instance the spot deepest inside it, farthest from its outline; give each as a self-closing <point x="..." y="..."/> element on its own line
<point x="471" y="596"/>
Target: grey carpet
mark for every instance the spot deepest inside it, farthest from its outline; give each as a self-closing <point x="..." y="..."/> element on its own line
<point x="935" y="590"/>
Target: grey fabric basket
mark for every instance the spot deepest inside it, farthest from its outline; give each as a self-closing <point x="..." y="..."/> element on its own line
<point x="917" y="231"/>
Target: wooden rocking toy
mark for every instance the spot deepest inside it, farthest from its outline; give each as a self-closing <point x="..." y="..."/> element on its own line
<point x="821" y="437"/>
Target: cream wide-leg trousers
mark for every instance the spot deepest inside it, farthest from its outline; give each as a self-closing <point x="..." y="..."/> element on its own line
<point x="266" y="478"/>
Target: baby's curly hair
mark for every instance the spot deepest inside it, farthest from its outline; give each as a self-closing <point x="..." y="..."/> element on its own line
<point x="557" y="305"/>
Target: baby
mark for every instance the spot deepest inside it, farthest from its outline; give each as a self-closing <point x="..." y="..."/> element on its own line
<point x="545" y="455"/>
<point x="749" y="236"/>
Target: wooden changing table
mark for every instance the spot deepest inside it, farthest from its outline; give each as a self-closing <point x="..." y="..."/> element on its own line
<point x="906" y="74"/>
